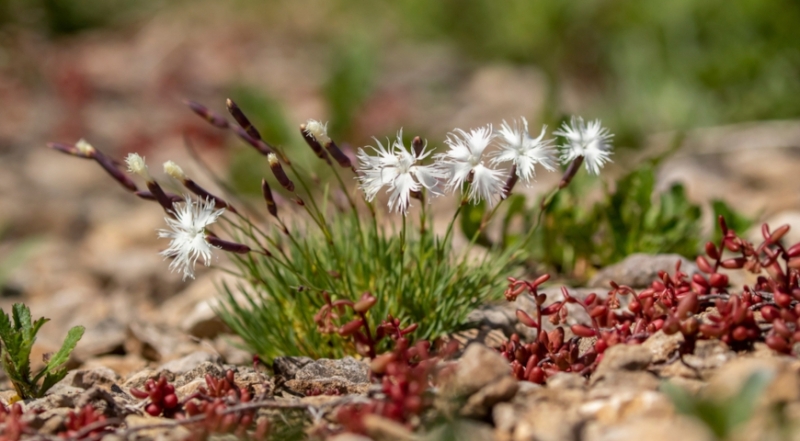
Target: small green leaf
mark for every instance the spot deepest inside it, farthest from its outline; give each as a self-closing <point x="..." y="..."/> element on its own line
<point x="70" y="342"/>
<point x="22" y="317"/>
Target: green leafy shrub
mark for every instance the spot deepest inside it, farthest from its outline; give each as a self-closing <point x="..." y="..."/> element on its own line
<point x="17" y="341"/>
<point x="575" y="235"/>
<point x="414" y="273"/>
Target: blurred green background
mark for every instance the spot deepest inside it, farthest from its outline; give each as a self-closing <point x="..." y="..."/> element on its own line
<point x="640" y="65"/>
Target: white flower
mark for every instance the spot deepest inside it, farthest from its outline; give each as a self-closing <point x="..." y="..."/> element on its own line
<point x="592" y="141"/>
<point x="523" y="150"/>
<point x="397" y="169"/>
<point x="464" y="163"/>
<point x="188" y="234"/>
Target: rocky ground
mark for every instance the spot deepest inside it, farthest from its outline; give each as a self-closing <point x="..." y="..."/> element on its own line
<point x="93" y="249"/>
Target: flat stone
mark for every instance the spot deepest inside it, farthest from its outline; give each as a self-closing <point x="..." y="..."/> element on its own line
<point x="640" y="270"/>
<point x="347" y="369"/>
<point x="287" y="367"/>
<point x="623" y="357"/>
<point x="190" y="362"/>
<point x="662" y="346"/>
<point x="477" y="368"/>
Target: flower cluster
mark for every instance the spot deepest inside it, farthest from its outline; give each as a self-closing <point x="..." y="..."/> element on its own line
<point x="468" y="161"/>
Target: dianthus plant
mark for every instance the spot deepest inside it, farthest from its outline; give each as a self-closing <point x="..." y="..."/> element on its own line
<point x="329" y="244"/>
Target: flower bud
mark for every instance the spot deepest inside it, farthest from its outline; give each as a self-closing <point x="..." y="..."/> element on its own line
<point x="313" y="143"/>
<point x="280" y="175"/>
<point x="242" y="120"/>
<point x="510" y="182"/>
<point x="137" y="165"/>
<point x="272" y="207"/>
<point x="177" y="173"/>
<point x="231" y="247"/>
<point x="338" y="155"/>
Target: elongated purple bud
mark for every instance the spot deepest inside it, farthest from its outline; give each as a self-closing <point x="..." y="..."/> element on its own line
<point x="338" y="154"/>
<point x="231" y="247"/>
<point x="572" y="169"/>
<point x="212" y="117"/>
<point x="272" y="207"/>
<point x="242" y="120"/>
<point x="83" y="149"/>
<point x="160" y="195"/>
<point x="312" y="142"/>
<point x="510" y="182"/>
<point x="72" y="149"/>
<point x="177" y="173"/>
<point x="111" y="168"/>
<point x="418" y="146"/>
<point x="280" y="175"/>
<point x="146" y="195"/>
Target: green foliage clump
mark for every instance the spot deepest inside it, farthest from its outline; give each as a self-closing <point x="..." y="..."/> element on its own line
<point x="17" y="341"/>
<point x="574" y="235"/>
<point x="412" y="273"/>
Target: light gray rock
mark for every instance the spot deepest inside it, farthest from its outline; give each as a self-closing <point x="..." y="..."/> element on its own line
<point x="640" y="270"/>
<point x="190" y="362"/>
<point x="347" y="369"/>
<point x="477" y="368"/>
<point x="623" y="358"/>
<point x="287" y="367"/>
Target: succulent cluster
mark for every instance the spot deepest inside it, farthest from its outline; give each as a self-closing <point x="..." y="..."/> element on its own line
<point x="214" y="402"/>
<point x="219" y="407"/>
<point x="163" y="400"/>
<point x="405" y="374"/>
<point x="87" y="422"/>
<point x="768" y="311"/>
<point x="366" y="340"/>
